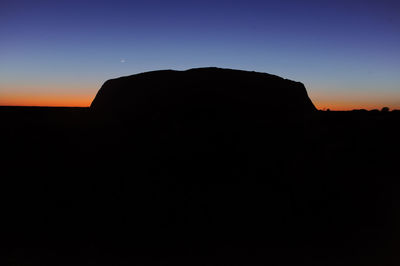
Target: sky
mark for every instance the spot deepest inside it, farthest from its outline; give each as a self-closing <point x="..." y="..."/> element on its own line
<point x="59" y="53"/>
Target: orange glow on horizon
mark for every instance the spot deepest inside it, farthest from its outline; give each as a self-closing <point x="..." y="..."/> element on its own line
<point x="347" y="106"/>
<point x="47" y="100"/>
<point x="336" y="101"/>
<point x="73" y="100"/>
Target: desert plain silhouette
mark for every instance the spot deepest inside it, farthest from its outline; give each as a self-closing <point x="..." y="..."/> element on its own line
<point x="207" y="166"/>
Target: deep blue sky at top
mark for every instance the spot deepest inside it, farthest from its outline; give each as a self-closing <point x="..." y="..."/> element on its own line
<point x="345" y="52"/>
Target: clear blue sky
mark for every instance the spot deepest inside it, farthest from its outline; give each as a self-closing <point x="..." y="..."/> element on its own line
<point x="347" y="53"/>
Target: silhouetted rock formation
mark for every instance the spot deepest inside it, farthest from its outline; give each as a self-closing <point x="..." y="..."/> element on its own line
<point x="207" y="121"/>
<point x="212" y="90"/>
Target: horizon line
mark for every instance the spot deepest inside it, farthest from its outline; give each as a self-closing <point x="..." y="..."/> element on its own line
<point x="88" y="106"/>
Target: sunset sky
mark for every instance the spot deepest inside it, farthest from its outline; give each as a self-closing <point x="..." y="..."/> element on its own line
<point x="58" y="53"/>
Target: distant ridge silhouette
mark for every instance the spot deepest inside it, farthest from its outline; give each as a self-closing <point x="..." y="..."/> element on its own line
<point x="210" y="88"/>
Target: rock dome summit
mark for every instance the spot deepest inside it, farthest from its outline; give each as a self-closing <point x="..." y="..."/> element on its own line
<point x="216" y="89"/>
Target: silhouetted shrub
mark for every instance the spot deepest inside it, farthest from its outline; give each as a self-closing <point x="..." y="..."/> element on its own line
<point x="374" y="111"/>
<point x="385" y="109"/>
<point x="359" y="110"/>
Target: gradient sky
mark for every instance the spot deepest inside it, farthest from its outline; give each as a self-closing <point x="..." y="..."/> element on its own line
<point x="58" y="53"/>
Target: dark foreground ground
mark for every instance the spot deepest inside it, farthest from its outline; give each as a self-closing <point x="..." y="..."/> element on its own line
<point x="79" y="189"/>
